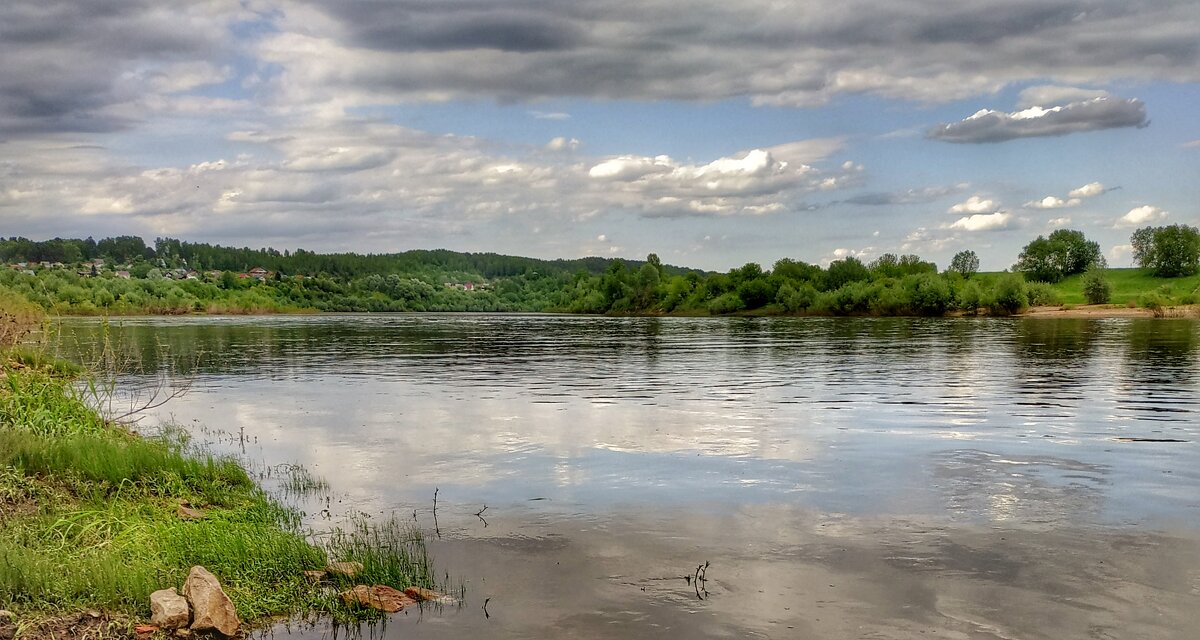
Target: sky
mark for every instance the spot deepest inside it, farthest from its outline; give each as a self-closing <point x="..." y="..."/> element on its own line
<point x="713" y="133"/>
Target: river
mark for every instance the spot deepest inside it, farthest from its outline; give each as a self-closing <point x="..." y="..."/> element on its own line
<point x="840" y="477"/>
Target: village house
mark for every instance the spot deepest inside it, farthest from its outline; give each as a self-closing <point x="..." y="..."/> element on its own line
<point x="122" y="274"/>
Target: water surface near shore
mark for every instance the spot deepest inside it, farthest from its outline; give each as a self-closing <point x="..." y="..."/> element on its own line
<point x="893" y="478"/>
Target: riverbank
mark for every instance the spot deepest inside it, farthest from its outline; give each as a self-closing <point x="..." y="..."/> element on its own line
<point x="93" y="518"/>
<point x="1111" y="311"/>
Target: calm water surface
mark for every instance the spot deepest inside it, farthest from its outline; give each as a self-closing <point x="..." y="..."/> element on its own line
<point x="844" y="478"/>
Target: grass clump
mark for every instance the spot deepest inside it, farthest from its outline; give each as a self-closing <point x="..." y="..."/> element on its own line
<point x="90" y="518"/>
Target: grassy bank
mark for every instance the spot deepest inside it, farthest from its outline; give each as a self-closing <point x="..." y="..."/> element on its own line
<point x="90" y="518"/>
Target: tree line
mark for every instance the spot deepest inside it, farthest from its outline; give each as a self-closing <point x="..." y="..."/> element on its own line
<point x="417" y="280"/>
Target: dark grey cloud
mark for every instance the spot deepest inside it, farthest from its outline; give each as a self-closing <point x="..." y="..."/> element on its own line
<point x="65" y="65"/>
<point x="412" y="26"/>
<point x="797" y="53"/>
<point x="1089" y="115"/>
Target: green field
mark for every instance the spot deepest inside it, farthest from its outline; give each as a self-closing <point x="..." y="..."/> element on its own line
<point x="1128" y="286"/>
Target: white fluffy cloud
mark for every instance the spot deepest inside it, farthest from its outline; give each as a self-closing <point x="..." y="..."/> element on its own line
<point x="984" y="222"/>
<point x="1144" y="214"/>
<point x="1054" y="202"/>
<point x="361" y="183"/>
<point x="975" y="204"/>
<point x="753" y="182"/>
<point x="1074" y="198"/>
<point x="1088" y="190"/>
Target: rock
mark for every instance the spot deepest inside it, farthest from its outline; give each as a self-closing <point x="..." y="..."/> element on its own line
<point x="183" y="633"/>
<point x="186" y="512"/>
<point x="346" y="569"/>
<point x="379" y="597"/>
<point x="211" y="608"/>
<point x="168" y="609"/>
<point x="421" y="594"/>
<point x="315" y="575"/>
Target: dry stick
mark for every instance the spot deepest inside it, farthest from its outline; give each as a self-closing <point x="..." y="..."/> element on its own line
<point x="479" y="514"/>
<point x="436" y="528"/>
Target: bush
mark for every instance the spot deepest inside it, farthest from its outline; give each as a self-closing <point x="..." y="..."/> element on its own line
<point x="1096" y="288"/>
<point x="928" y="295"/>
<point x="726" y="303"/>
<point x="1041" y="294"/>
<point x="970" y="298"/>
<point x="793" y="299"/>
<point x="1009" y="296"/>
<point x="1154" y="301"/>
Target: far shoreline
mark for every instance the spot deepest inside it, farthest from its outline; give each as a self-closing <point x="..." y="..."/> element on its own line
<point x="1095" y="312"/>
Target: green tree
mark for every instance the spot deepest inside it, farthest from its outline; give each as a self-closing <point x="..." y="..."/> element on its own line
<point x="843" y="272"/>
<point x="1063" y="253"/>
<point x="965" y="262"/>
<point x="1167" y="251"/>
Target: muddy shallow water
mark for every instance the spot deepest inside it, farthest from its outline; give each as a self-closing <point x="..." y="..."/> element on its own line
<point x="842" y="478"/>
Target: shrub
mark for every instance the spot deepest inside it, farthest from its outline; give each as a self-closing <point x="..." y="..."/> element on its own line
<point x="796" y="299"/>
<point x="970" y="298"/>
<point x="1096" y="288"/>
<point x="1041" y="294"/>
<point x="1009" y="296"/>
<point x="726" y="303"/>
<point x="928" y="294"/>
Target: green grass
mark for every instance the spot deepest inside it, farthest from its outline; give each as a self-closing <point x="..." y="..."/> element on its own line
<point x="1131" y="285"/>
<point x="88" y="518"/>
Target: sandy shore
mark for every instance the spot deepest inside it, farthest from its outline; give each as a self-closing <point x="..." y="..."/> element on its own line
<point x="1108" y="311"/>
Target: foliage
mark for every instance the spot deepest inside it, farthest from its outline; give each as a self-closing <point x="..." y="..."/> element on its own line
<point x="1063" y="253"/>
<point x="965" y="262"/>
<point x="1041" y="294"/>
<point x="1096" y="288"/>
<point x="18" y="318"/>
<point x="845" y="271"/>
<point x="970" y="298"/>
<point x="1169" y="251"/>
<point x="1010" y="295"/>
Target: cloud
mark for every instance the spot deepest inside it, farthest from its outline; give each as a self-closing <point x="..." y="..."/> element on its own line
<point x="1088" y="190"/>
<point x="65" y="67"/>
<point x="987" y="125"/>
<point x="70" y="67"/>
<point x="796" y="54"/>
<point x="1053" y="202"/>
<point x="975" y="204"/>
<point x="1058" y="222"/>
<point x="1141" y="215"/>
<point x="1194" y="144"/>
<point x="1051" y="95"/>
<point x="984" y="222"/>
<point x="562" y="144"/>
<point x="753" y="182"/>
<point x="1119" y="253"/>
<point x="908" y="196"/>
<point x="550" y="115"/>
